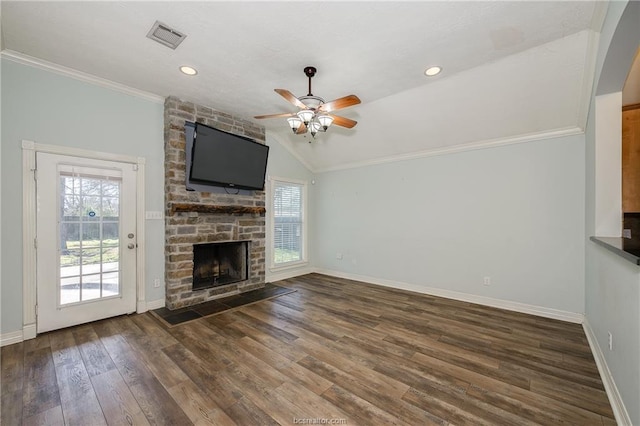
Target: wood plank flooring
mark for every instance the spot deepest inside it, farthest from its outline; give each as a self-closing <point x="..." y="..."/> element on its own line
<point x="333" y="349"/>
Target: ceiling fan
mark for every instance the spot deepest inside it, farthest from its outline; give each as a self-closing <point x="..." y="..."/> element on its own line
<point x="314" y="114"/>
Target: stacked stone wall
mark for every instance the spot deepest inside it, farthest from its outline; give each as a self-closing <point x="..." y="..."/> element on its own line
<point x="183" y="229"/>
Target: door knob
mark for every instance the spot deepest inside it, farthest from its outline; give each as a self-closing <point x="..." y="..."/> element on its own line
<point x="131" y="245"/>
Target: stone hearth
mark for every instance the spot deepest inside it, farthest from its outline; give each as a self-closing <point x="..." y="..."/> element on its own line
<point x="194" y="217"/>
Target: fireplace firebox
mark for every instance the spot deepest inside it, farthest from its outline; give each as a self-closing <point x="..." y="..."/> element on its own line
<point x="218" y="264"/>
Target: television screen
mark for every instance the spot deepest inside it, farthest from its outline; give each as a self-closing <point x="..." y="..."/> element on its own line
<point x="223" y="159"/>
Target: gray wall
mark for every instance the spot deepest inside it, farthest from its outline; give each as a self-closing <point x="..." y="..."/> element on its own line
<point x="48" y="108"/>
<point x="284" y="165"/>
<point x="513" y="213"/>
<point x="612" y="284"/>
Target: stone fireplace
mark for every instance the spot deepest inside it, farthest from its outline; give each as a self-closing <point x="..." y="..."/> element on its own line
<point x="195" y="218"/>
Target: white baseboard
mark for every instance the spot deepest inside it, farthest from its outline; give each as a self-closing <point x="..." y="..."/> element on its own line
<point x="27" y="332"/>
<point x="11" y="338"/>
<point x="615" y="399"/>
<point x="290" y="273"/>
<point x="153" y="304"/>
<point x="540" y="311"/>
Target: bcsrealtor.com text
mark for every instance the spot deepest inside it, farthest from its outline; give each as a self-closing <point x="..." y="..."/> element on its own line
<point x="319" y="421"/>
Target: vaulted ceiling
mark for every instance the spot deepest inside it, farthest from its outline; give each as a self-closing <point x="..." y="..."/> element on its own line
<point x="510" y="69"/>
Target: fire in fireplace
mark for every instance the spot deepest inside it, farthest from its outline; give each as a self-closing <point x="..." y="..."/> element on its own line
<point x="218" y="264"/>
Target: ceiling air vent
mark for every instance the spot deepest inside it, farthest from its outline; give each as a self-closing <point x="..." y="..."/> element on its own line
<point x="163" y="34"/>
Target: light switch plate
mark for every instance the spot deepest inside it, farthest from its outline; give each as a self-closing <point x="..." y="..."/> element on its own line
<point x="154" y="215"/>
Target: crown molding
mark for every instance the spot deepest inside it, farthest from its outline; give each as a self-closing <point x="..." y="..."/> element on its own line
<point x="599" y="15"/>
<point x="491" y="143"/>
<point x="34" y="62"/>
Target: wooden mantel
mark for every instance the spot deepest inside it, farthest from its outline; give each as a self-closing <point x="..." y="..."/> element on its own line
<point x="208" y="208"/>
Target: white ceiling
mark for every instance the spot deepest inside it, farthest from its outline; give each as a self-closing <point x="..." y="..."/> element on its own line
<point x="510" y="68"/>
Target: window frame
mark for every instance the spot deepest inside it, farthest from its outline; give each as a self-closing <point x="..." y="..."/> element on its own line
<point x="273" y="267"/>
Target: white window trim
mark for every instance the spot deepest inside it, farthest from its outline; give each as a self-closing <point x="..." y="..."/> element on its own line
<point x="271" y="220"/>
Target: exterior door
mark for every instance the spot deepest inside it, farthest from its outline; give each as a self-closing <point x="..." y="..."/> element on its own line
<point x="86" y="240"/>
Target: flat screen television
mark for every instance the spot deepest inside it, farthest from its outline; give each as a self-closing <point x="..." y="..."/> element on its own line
<point x="223" y="159"/>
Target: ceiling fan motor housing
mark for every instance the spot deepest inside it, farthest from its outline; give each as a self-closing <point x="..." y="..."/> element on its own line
<point x="310" y="72"/>
<point x="312" y="102"/>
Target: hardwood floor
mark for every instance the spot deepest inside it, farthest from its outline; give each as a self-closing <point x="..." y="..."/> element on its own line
<point x="334" y="349"/>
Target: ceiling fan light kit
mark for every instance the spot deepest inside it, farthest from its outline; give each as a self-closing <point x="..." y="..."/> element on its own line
<point x="325" y="121"/>
<point x="306" y="115"/>
<point x="294" y="123"/>
<point x="314" y="114"/>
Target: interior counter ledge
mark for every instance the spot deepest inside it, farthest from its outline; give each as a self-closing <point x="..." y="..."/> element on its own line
<point x="617" y="246"/>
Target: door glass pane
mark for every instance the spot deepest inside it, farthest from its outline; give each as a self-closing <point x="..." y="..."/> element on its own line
<point x="69" y="290"/>
<point x="91" y="286"/>
<point x="91" y="208"/>
<point x="71" y="206"/>
<point x="110" y="189"/>
<point x="110" y="233"/>
<point x="90" y="186"/>
<point x="110" y="208"/>
<point x="69" y="248"/>
<point x="89" y="252"/>
<point x="71" y="185"/>
<point x="91" y="256"/>
<point x="110" y="285"/>
<point x="90" y="235"/>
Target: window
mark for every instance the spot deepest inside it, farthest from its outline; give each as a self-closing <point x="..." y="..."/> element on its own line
<point x="288" y="222"/>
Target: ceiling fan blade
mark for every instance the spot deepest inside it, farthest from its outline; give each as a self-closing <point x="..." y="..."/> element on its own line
<point x="284" y="114"/>
<point x="343" y="121"/>
<point x="290" y="97"/>
<point x="340" y="103"/>
<point x="302" y="129"/>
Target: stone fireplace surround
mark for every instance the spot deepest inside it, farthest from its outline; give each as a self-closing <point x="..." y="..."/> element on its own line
<point x="193" y="217"/>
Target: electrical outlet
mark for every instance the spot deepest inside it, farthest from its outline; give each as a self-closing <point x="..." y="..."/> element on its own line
<point x="156" y="283"/>
<point x="610" y="341"/>
<point x="487" y="281"/>
<point x="626" y="233"/>
<point x="339" y="256"/>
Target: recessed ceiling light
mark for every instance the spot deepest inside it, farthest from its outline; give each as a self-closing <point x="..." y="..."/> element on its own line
<point x="431" y="71"/>
<point x="188" y="70"/>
